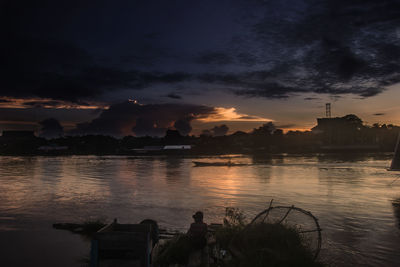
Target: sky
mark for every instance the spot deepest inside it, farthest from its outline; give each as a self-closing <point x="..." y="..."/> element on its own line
<point x="141" y="67"/>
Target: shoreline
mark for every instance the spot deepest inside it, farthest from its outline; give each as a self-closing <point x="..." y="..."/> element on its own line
<point x="342" y="153"/>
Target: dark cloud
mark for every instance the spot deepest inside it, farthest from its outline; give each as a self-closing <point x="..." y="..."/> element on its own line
<point x="32" y="67"/>
<point x="379" y="114"/>
<point x="250" y="84"/>
<point x="33" y="115"/>
<point x="216" y="58"/>
<point x="331" y="47"/>
<point x="311" y="98"/>
<point x="220" y="130"/>
<point x="146" y="127"/>
<point x="241" y="58"/>
<point x="5" y="101"/>
<point x="174" y="96"/>
<point x="69" y="77"/>
<point x="248" y="117"/>
<point x="247" y="59"/>
<point x="76" y="51"/>
<point x="276" y="83"/>
<point x="183" y="125"/>
<point x="51" y="128"/>
<point x="39" y="61"/>
<point x="336" y="97"/>
<point x="153" y="119"/>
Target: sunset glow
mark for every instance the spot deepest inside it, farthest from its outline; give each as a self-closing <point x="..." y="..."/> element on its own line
<point x="230" y="114"/>
<point x="47" y="103"/>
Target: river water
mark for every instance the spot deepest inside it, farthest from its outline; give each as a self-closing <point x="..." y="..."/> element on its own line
<point x="352" y="196"/>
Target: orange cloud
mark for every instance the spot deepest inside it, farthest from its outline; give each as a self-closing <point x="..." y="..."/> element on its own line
<point x="21" y="103"/>
<point x="230" y="114"/>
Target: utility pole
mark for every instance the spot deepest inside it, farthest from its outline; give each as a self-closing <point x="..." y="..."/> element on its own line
<point x="328" y="110"/>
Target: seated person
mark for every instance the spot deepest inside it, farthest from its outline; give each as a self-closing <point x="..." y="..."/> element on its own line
<point x="198" y="230"/>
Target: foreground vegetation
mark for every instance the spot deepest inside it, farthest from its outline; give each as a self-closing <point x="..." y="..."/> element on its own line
<point x="235" y="243"/>
<point x="239" y="244"/>
<point x="265" y="244"/>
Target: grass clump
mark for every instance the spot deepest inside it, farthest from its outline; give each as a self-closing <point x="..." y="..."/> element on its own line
<point x="270" y="245"/>
<point x="174" y="251"/>
<point x="234" y="223"/>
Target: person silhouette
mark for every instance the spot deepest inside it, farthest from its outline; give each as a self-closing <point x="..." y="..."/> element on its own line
<point x="197" y="231"/>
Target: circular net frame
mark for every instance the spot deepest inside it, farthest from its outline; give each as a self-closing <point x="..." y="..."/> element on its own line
<point x="303" y="221"/>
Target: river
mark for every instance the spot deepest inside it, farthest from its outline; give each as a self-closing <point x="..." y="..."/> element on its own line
<point x="351" y="195"/>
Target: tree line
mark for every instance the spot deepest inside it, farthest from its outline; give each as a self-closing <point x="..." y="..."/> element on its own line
<point x="344" y="133"/>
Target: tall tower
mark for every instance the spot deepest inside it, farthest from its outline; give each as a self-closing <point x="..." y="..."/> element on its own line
<point x="328" y="110"/>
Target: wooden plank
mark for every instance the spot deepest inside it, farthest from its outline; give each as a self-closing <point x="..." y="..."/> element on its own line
<point x="107" y="228"/>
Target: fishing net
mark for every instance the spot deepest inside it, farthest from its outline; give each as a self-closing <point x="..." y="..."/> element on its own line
<point x="302" y="221"/>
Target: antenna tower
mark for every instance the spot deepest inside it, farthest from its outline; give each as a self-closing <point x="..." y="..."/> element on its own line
<point x="328" y="110"/>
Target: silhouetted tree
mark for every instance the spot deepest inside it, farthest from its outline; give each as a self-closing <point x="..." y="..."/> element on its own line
<point x="51" y="128"/>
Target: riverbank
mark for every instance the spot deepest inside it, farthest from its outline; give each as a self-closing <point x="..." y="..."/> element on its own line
<point x="266" y="240"/>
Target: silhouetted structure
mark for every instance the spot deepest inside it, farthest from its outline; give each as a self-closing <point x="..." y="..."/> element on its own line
<point x="395" y="166"/>
<point x="177" y="147"/>
<point x="18" y="135"/>
<point x="340" y="130"/>
<point x="328" y="110"/>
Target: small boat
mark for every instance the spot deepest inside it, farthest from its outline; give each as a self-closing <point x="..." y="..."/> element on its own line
<point x="227" y="164"/>
<point x="123" y="245"/>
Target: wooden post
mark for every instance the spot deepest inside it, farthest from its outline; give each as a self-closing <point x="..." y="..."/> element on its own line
<point x="395" y="166"/>
<point x="94" y="253"/>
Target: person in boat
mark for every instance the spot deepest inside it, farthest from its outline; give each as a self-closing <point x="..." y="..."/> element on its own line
<point x="197" y="231"/>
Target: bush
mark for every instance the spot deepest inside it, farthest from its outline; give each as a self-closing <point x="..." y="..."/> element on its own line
<point x="175" y="250"/>
<point x="270" y="245"/>
<point x="262" y="244"/>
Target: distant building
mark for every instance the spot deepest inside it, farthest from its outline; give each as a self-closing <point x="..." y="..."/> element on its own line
<point x="153" y="148"/>
<point x="346" y="132"/>
<point x="160" y="149"/>
<point x="339" y="130"/>
<point x="329" y="125"/>
<point x="52" y="147"/>
<point x="177" y="147"/>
